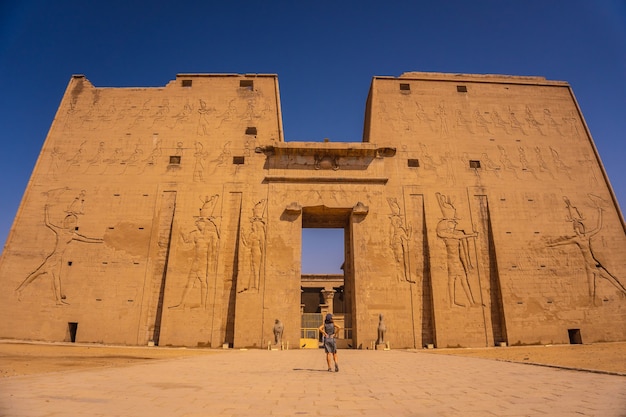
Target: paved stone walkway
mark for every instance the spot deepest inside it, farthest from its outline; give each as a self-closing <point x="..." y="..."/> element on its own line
<point x="296" y="383"/>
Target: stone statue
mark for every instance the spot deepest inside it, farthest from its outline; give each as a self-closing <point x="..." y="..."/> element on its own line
<point x="278" y="332"/>
<point x="382" y="329"/>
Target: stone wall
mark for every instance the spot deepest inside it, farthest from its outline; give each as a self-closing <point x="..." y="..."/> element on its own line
<point x="476" y="212"/>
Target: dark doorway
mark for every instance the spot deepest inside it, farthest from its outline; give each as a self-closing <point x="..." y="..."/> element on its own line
<point x="72" y="329"/>
<point x="574" y="337"/>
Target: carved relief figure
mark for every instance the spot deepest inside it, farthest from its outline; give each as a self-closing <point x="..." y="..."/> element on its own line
<point x="516" y="124"/>
<point x="571" y="120"/>
<point x="399" y="240"/>
<point x="543" y="167"/>
<point x="203" y="119"/>
<point x="183" y="115"/>
<point x="152" y="158"/>
<point x="582" y="239"/>
<point x="481" y="122"/>
<point x="457" y="251"/>
<point x="56" y="161"/>
<point x="97" y="159"/>
<point x="200" y="155"/>
<point x="560" y="165"/>
<point x="550" y="122"/>
<point x="507" y="165"/>
<point x="461" y="121"/>
<point x="255" y="242"/>
<point x="76" y="160"/>
<point x="524" y="161"/>
<point x="533" y="122"/>
<point x="132" y="159"/>
<point x="499" y="122"/>
<point x="205" y="240"/>
<point x="53" y="264"/>
<point x="489" y="165"/>
<point x="162" y="111"/>
<point x="443" y="119"/>
<point x="422" y="116"/>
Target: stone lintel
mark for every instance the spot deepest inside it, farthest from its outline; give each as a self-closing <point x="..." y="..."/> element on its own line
<point x="317" y="180"/>
<point x="343" y="149"/>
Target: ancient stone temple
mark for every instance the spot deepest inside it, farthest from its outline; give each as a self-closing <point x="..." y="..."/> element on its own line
<point x="475" y="210"/>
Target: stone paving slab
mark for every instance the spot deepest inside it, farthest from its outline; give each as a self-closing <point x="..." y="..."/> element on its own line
<point x="295" y="383"/>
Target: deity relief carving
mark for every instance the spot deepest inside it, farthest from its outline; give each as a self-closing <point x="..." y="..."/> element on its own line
<point x="65" y="234"/>
<point x="582" y="239"/>
<point x="205" y="241"/>
<point x="459" y="259"/>
<point x="254" y="241"/>
<point x="400" y="235"/>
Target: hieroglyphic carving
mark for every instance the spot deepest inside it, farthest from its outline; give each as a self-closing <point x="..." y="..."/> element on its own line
<point x="255" y="242"/>
<point x="559" y="164"/>
<point x="64" y="235"/>
<point x="400" y="235"/>
<point x="457" y="251"/>
<point x="205" y="240"/>
<point x="582" y="238"/>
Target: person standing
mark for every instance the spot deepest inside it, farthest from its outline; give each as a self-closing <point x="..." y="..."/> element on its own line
<point x="330" y="331"/>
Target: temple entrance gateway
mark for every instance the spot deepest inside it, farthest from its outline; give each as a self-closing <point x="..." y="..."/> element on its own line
<point x="323" y="293"/>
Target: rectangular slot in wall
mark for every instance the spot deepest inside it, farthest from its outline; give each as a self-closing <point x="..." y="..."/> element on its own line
<point x="575" y="337"/>
<point x="72" y="328"/>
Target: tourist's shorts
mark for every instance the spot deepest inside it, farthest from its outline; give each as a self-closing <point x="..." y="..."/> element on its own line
<point x="330" y="345"/>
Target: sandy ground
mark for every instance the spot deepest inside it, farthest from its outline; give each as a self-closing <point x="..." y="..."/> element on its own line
<point x="22" y="358"/>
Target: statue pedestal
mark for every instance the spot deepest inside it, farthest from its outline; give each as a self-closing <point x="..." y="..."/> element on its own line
<point x="382" y="346"/>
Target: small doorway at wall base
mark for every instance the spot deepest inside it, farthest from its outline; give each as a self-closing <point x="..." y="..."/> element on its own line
<point x="574" y="337"/>
<point x="72" y="328"/>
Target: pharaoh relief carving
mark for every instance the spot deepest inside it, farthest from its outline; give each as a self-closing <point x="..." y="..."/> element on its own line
<point x="254" y="241"/>
<point x="203" y="119"/>
<point x="400" y="236"/>
<point x="582" y="239"/>
<point x="458" y="253"/>
<point x="205" y="241"/>
<point x="65" y="234"/>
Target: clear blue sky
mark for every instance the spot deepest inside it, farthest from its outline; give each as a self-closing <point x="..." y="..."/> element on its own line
<point x="324" y="52"/>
